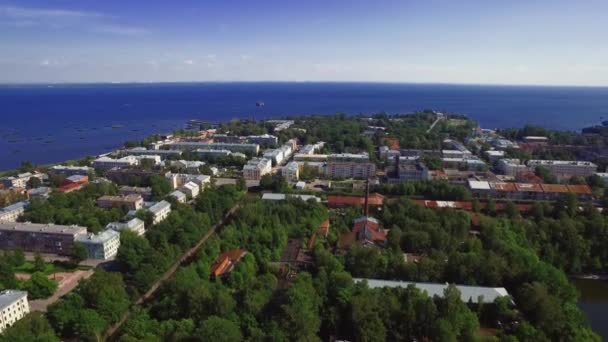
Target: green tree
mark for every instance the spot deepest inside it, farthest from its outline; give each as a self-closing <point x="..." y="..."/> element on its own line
<point x="219" y="329"/>
<point x="32" y="328"/>
<point x="34" y="182"/>
<point x="79" y="253"/>
<point x="105" y="293"/>
<point x="40" y="286"/>
<point x="39" y="264"/>
<point x="241" y="184"/>
<point x="160" y="186"/>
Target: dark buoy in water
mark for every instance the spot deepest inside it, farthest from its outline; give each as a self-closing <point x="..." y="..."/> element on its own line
<point x="259" y="104"/>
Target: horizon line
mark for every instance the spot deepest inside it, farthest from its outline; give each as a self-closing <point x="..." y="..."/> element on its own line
<point x="46" y="83"/>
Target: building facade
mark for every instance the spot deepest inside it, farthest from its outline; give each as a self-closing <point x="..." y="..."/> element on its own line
<point x="12" y="212"/>
<point x="36" y="237"/>
<point x="350" y="166"/>
<point x="565" y="168"/>
<point x="132" y="202"/>
<point x="160" y="211"/>
<point x="102" y="246"/>
<point x="256" y="168"/>
<point x="135" y="225"/>
<point x="13" y="307"/>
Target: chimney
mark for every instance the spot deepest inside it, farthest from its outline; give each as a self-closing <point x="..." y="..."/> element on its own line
<point x="367" y="197"/>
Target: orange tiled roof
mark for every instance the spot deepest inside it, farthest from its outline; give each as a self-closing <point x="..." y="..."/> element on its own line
<point x="579" y="189"/>
<point x="225" y="261"/>
<point x="554" y="188"/>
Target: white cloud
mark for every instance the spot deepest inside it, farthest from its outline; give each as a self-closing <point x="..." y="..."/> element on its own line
<point x="189" y="62"/>
<point x="27" y="17"/>
<point x="17" y="12"/>
<point x="245" y="57"/>
<point x="120" y="30"/>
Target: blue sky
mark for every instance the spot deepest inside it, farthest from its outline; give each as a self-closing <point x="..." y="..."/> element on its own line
<point x="554" y="42"/>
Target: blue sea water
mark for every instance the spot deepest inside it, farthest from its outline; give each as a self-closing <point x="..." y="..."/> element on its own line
<point x="50" y="123"/>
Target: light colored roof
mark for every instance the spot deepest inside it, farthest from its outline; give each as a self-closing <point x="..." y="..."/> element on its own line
<point x="8" y="297"/>
<point x="479" y="185"/>
<point x="467" y="293"/>
<point x="178" y="194"/>
<point x="159" y="206"/>
<point x="102" y="237"/>
<point x="43" y="228"/>
<point x="281" y="197"/>
<point x="15" y="206"/>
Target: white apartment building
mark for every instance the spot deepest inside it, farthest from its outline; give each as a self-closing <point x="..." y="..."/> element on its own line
<point x="13" y="307"/>
<point x="179" y="196"/>
<point x="256" y="168"/>
<point x="12" y="212"/>
<point x="348" y="165"/>
<point x="179" y="179"/>
<point x="160" y="211"/>
<point x="20" y="181"/>
<point x="510" y="167"/>
<point x="188" y="165"/>
<point x="565" y="168"/>
<point x="191" y="189"/>
<point x="106" y="163"/>
<point x="193" y="145"/>
<point x="291" y="171"/>
<point x="135" y="225"/>
<point x="275" y="155"/>
<point x="102" y="246"/>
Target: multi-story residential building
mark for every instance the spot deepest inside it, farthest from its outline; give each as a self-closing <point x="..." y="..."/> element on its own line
<point x="408" y="172"/>
<point x="132" y="202"/>
<point x="154" y="158"/>
<point x="193" y="145"/>
<point x="69" y="170"/>
<point x="211" y="154"/>
<point x="102" y="246"/>
<point x="291" y="172"/>
<point x="13" y="307"/>
<point x="177" y="180"/>
<point x="160" y="211"/>
<point x="144" y="192"/>
<point x="42" y="192"/>
<point x="456" y="145"/>
<point x="565" y="168"/>
<point x="225" y="138"/>
<point x="179" y="196"/>
<point x="281" y="124"/>
<point x="126" y="176"/>
<point x="20" y="181"/>
<point x="276" y="156"/>
<point x="188" y="165"/>
<point x="310" y="157"/>
<point x="191" y="189"/>
<point x="134" y="225"/>
<point x="510" y="167"/>
<point x="256" y="168"/>
<point x="292" y="143"/>
<point x="106" y="163"/>
<point x="36" y="237"/>
<point x="142" y="151"/>
<point x="265" y="139"/>
<point x="12" y="212"/>
<point x="348" y="165"/>
<point x="494" y="155"/>
<point x="603" y="176"/>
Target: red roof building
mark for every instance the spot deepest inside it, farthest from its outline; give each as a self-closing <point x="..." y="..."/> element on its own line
<point x="224" y="264"/>
<point x="367" y="231"/>
<point x="323" y="229"/>
<point x="374" y="199"/>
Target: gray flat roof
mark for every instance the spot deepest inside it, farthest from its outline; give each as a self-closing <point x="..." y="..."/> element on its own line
<point x="43" y="228"/>
<point x="467" y="293"/>
<point x="8" y="297"/>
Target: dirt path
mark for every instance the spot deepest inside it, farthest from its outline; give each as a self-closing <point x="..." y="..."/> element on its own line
<point x="66" y="283"/>
<point x="184" y="259"/>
